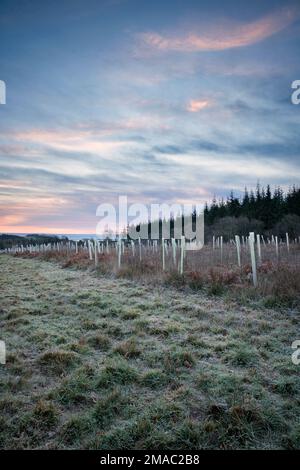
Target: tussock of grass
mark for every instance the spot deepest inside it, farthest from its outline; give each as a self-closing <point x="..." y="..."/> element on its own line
<point x="152" y="429"/>
<point x="88" y="324"/>
<point x="128" y="348"/>
<point x="287" y="386"/>
<point x="131" y="313"/>
<point x="159" y="331"/>
<point x="9" y="405"/>
<point x="291" y="440"/>
<point x="13" y="384"/>
<point x="74" y="390"/>
<point x="114" y="404"/>
<point x="46" y="413"/>
<point x="174" y="279"/>
<point x="173" y="360"/>
<point x="154" y="379"/>
<point x="195" y="340"/>
<point x="74" y="430"/>
<point x="117" y="372"/>
<point x="57" y="361"/>
<point x="241" y="355"/>
<point x="99" y="341"/>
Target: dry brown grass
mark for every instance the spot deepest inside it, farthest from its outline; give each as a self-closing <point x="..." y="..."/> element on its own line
<point x="279" y="279"/>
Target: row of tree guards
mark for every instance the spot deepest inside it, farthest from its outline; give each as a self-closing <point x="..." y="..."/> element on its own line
<point x="97" y="247"/>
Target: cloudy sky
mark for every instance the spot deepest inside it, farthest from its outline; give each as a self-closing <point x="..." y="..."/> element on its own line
<point x="162" y="101"/>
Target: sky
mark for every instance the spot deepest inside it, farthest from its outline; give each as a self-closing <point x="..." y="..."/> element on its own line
<point x="161" y="101"/>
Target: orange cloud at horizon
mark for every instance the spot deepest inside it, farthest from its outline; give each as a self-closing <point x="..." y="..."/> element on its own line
<point x="17" y="212"/>
<point x="235" y="35"/>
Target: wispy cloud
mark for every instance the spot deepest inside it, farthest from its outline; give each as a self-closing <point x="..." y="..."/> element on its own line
<point x="70" y="141"/>
<point x="170" y="128"/>
<point x="221" y="38"/>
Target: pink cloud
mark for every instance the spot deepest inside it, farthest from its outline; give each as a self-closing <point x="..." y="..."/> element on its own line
<point x="221" y="38"/>
<point x="194" y="106"/>
<point x="70" y="140"/>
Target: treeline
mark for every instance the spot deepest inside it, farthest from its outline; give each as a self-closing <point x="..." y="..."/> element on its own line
<point x="262" y="205"/>
<point x="262" y="211"/>
<point x="10" y="240"/>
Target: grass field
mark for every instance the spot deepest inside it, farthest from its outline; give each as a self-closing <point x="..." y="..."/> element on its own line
<point x="102" y="363"/>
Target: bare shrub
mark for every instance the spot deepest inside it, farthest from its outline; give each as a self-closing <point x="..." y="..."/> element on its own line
<point x="281" y="285"/>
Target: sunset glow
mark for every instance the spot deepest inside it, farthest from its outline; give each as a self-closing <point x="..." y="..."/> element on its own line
<point x="168" y="102"/>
